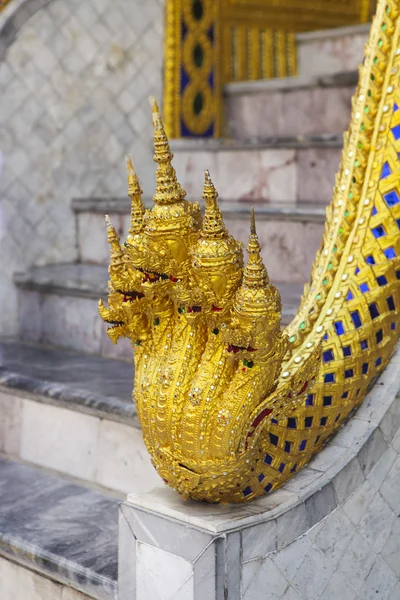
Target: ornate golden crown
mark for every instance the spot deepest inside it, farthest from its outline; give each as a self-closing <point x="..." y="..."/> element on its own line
<point x="230" y="405"/>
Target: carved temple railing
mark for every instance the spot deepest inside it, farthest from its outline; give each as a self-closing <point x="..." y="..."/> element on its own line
<point x="212" y="42"/>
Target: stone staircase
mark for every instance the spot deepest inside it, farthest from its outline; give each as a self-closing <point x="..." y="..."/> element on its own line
<point x="70" y="441"/>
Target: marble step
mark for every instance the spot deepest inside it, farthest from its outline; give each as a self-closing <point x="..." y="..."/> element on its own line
<point x="331" y="50"/>
<point x="58" y="306"/>
<point x="279" y="169"/>
<point x="289" y="233"/>
<point x="57" y="539"/>
<point x="307" y="104"/>
<point x="71" y="413"/>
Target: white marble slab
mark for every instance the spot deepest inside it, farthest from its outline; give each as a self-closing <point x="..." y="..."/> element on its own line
<point x="162" y="576"/>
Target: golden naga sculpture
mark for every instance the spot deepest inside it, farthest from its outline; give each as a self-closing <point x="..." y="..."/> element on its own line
<point x="230" y="405"/>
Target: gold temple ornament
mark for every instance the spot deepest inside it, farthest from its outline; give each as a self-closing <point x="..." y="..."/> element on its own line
<point x="231" y="406"/>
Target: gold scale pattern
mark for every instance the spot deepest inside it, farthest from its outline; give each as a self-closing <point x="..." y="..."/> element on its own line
<point x="230" y="405"/>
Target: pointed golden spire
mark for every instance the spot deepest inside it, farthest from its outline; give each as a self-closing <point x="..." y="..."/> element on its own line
<point x="256" y="296"/>
<point x="168" y="190"/>
<point x="116" y="254"/>
<point x="213" y="224"/>
<point x="255" y="274"/>
<point x="135" y="194"/>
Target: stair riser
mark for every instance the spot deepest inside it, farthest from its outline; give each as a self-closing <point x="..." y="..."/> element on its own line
<point x="276" y="175"/>
<point x="68" y="322"/>
<point x="103" y="452"/>
<point x="289" y="247"/>
<point x="331" y="51"/>
<point x="18" y="582"/>
<point x="290" y="112"/>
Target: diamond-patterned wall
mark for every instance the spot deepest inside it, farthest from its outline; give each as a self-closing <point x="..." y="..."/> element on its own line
<point x="74" y="83"/>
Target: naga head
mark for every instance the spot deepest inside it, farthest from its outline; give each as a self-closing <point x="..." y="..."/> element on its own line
<point x="254" y="324"/>
<point x="125" y="294"/>
<point x="217" y="262"/>
<point x="162" y="252"/>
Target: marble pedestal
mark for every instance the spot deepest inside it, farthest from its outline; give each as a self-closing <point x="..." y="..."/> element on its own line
<point x="333" y="530"/>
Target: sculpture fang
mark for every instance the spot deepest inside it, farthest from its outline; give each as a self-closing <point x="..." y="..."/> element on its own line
<point x="230" y="405"/>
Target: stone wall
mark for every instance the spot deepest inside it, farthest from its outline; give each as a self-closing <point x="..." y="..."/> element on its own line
<point x="74" y="82"/>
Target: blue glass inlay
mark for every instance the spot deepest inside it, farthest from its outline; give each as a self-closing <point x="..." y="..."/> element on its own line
<point x="268" y="487"/>
<point x="325" y="337"/>
<point x="323" y="421"/>
<point x="398" y="223"/>
<point x="291" y="423"/>
<point x="364" y="368"/>
<point x="274" y="421"/>
<point x="391" y="198"/>
<point x="268" y="459"/>
<point x="327" y="355"/>
<point x="281" y="467"/>
<point x="308" y="421"/>
<point x="287" y="446"/>
<point x="395" y="107"/>
<point x="345" y="394"/>
<point x="379" y="336"/>
<point x="398" y="274"/>
<point x="261" y="477"/>
<point x="329" y="377"/>
<point x="273" y="439"/>
<point x="327" y="401"/>
<point x="355" y="315"/>
<point x="292" y="470"/>
<point x="348" y="373"/>
<point x="303" y="445"/>
<point x="374" y="211"/>
<point x="373" y="310"/>
<point x="381" y="280"/>
<point x="310" y="400"/>
<point x="390" y="303"/>
<point x="183" y="28"/>
<point x="364" y="344"/>
<point x="390" y="253"/>
<point x="346" y="351"/>
<point x="378" y="362"/>
<point x="386" y="170"/>
<point x="364" y="287"/>
<point x="378" y="231"/>
<point x="186" y="132"/>
<point x="349" y="295"/>
<point x="356" y="272"/>
<point x="339" y="327"/>
<point x="247" y="491"/>
<point x="184" y="79"/>
<point x="393" y="326"/>
<point x="370" y="260"/>
<point x="396" y="132"/>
